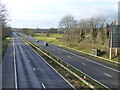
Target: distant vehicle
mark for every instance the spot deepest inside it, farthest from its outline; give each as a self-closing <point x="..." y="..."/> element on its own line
<point x="37" y="40"/>
<point x="46" y="44"/>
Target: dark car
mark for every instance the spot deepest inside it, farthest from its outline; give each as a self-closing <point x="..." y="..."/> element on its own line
<point x="37" y="40"/>
<point x="46" y="44"/>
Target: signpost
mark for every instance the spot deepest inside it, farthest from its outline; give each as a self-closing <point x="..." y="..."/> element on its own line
<point x="114" y="35"/>
<point x="114" y="38"/>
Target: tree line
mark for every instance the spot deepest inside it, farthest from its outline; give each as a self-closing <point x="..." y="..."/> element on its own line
<point x="4" y="18"/>
<point x="95" y="29"/>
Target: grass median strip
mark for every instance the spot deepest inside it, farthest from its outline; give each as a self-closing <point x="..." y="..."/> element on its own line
<point x="74" y="76"/>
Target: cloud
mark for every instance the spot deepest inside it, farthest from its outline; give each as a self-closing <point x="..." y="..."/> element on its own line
<point x="48" y="13"/>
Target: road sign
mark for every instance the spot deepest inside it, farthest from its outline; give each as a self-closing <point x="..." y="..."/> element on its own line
<point x="114" y="36"/>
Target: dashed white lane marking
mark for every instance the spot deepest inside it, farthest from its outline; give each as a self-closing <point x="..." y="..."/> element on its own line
<point x="107" y="75"/>
<point x="43" y="86"/>
<point x="83" y="63"/>
<point x="64" y="78"/>
<point x="15" y="68"/>
<point x="89" y="60"/>
<point x="33" y="69"/>
<point x="69" y="57"/>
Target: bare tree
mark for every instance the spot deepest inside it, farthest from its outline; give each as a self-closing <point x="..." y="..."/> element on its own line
<point x="96" y="23"/>
<point x="84" y="25"/>
<point x="4" y="14"/>
<point x="67" y="22"/>
<point x="28" y="31"/>
<point x="4" y="18"/>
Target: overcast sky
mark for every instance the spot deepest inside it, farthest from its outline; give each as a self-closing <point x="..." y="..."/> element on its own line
<point x="48" y="13"/>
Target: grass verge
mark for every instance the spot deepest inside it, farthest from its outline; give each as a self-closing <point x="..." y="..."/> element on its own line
<point x="5" y="44"/>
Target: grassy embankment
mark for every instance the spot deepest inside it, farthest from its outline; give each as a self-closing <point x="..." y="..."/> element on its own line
<point x="6" y="36"/>
<point x="5" y="42"/>
<point x="84" y="46"/>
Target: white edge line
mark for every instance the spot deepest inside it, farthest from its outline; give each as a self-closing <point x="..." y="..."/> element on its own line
<point x="87" y="75"/>
<point x="84" y="73"/>
<point x="16" y="85"/>
<point x="59" y="74"/>
<point x="75" y="68"/>
<point x="89" y="60"/>
<point x="91" y="77"/>
<point x="91" y="54"/>
<point x="79" y="71"/>
<point x="43" y="86"/>
<point x="53" y="69"/>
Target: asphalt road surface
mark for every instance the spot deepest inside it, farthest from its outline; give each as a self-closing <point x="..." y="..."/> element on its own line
<point x="32" y="70"/>
<point x="8" y="67"/>
<point x="104" y="73"/>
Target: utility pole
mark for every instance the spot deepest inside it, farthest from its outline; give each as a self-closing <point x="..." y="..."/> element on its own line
<point x="110" y="54"/>
<point x="116" y="51"/>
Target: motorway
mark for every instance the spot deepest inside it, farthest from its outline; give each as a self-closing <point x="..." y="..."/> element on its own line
<point x="23" y="68"/>
<point x="104" y="73"/>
